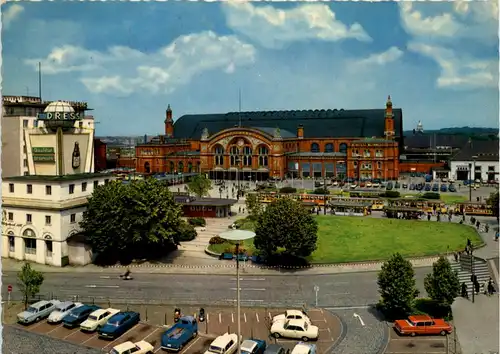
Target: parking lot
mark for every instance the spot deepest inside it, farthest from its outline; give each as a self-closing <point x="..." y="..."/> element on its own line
<point x="254" y="323"/>
<point x="421" y="345"/>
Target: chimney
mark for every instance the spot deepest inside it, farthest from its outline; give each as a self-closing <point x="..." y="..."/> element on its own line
<point x="300" y="131"/>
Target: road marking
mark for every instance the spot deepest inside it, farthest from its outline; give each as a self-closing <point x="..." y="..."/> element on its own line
<point x="348" y="307"/>
<point x="233" y="300"/>
<point x="105" y="277"/>
<point x="52" y="330"/>
<point x="270" y="317"/>
<point x="208" y="315"/>
<point x="86" y="340"/>
<point x="250" y="279"/>
<point x="77" y="330"/>
<point x="249" y="289"/>
<point x="257" y="316"/>
<point x="420" y="339"/>
<point x="101" y="286"/>
<point x="186" y="350"/>
<point x="245" y="317"/>
<point x="150" y="334"/>
<point x="359" y="318"/>
<point x="232" y="317"/>
<point x="334" y="294"/>
<point x="220" y="317"/>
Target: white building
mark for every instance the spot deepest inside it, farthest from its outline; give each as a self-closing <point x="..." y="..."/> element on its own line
<point x="41" y="216"/>
<point x="480" y="158"/>
<point x="22" y="132"/>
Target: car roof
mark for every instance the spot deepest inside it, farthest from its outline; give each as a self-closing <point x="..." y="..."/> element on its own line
<point x="419" y="318"/>
<point x="301" y="348"/>
<point x="124" y="346"/>
<point x="295" y="322"/>
<point x="64" y="304"/>
<point x="248" y="344"/>
<point x="43" y="302"/>
<point x="118" y="316"/>
<point x="294" y="312"/>
<point x="82" y="308"/>
<point x="222" y="340"/>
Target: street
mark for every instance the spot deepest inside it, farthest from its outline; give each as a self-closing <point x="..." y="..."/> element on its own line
<point x="336" y="290"/>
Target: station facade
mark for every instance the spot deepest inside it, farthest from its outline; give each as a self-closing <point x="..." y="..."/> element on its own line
<point x="358" y="144"/>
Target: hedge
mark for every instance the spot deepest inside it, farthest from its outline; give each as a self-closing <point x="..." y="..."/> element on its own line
<point x="431" y="195"/>
<point x="288" y="190"/>
<point x="199" y="221"/>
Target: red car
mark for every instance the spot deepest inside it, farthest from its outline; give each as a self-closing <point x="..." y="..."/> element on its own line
<point x="422" y="325"/>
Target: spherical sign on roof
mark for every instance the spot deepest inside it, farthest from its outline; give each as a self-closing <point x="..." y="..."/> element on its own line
<point x="59" y="114"/>
<point x="59" y="106"/>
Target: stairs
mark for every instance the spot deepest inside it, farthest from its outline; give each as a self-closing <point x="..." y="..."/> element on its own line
<point x="463" y="268"/>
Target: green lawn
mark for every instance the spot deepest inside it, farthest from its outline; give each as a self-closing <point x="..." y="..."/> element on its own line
<point x="448" y="199"/>
<point x="350" y="239"/>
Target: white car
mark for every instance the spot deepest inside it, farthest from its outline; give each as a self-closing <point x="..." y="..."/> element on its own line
<point x="375" y="185"/>
<point x="304" y="348"/>
<point x="354" y="186"/>
<point x="335" y="184"/>
<point x="225" y="344"/>
<point x="369" y="184"/>
<point x="295" y="329"/>
<point x="97" y="318"/>
<point x="292" y="315"/>
<point x="141" y="347"/>
<point x="61" y="310"/>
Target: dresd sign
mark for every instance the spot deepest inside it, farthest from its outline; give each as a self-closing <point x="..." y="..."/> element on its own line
<point x="60" y="116"/>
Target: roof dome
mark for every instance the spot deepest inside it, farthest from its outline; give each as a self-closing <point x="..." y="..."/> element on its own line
<point x="59" y="107"/>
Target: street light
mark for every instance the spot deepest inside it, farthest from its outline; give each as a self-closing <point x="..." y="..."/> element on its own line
<point x="237" y="236"/>
<point x="471" y="176"/>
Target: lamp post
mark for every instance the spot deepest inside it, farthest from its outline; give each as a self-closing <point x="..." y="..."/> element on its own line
<point x="237" y="236"/>
<point x="470" y="184"/>
<point x="473" y="276"/>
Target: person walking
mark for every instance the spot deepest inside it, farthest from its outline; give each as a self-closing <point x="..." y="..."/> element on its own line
<point x="491" y="288"/>
<point x="485" y="287"/>
<point x="455" y="254"/>
<point x="477" y="287"/>
<point x="464" y="291"/>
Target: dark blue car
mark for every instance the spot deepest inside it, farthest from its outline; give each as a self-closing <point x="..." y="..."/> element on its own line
<point x="119" y="324"/>
<point x="78" y="315"/>
<point x="427" y="187"/>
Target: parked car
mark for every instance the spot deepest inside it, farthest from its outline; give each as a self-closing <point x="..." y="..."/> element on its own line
<point x="276" y="349"/>
<point x="389" y="186"/>
<point x="405" y="185"/>
<point x="353" y="186"/>
<point x="119" y="324"/>
<point x="97" y="319"/>
<point x="422" y="325"/>
<point x="452" y="188"/>
<point x="376" y="185"/>
<point x="296" y="329"/>
<point x="292" y="315"/>
<point x="224" y="344"/>
<point x="369" y="184"/>
<point x="37" y="311"/>
<point x="397" y="185"/>
<point x="419" y="187"/>
<point x="427" y="188"/>
<point x="62" y="310"/>
<point x="443" y="188"/>
<point x="78" y="315"/>
<point x="435" y="187"/>
<point x="141" y="347"/>
<point x="412" y="186"/>
<point x="304" y="348"/>
<point x="177" y="336"/>
<point x="253" y="346"/>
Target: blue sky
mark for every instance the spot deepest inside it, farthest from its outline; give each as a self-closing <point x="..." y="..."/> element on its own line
<point x="438" y="61"/>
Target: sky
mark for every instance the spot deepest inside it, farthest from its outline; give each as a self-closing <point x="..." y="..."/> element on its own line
<point x="437" y="60"/>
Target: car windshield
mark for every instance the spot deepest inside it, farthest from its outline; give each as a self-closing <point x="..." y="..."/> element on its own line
<point x="92" y="318"/>
<point x="114" y="324"/>
<point x="31" y="309"/>
<point x="214" y="349"/>
<point x="411" y="323"/>
<point x="75" y="315"/>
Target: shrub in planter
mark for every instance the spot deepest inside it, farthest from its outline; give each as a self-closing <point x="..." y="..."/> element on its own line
<point x="186" y="232"/>
<point x="391" y="194"/>
<point x="199" y="221"/>
<point x="321" y="191"/>
<point x="431" y="195"/>
<point x="288" y="190"/>
<point x="216" y="240"/>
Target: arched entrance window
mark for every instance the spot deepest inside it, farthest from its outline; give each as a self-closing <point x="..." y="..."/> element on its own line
<point x="190" y="167"/>
<point x="314" y="147"/>
<point x="219" y="155"/>
<point x="172" y="167"/>
<point x="147" y="167"/>
<point x="343" y="148"/>
<point x="48" y="246"/>
<point x="29" y="241"/>
<point x="12" y="241"/>
<point x="329" y="147"/>
<point x="263" y="156"/>
<point x="233" y="154"/>
<point x="181" y="167"/>
<point x="247" y="156"/>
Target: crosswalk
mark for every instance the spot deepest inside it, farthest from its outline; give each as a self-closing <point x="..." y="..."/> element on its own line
<point x="464" y="270"/>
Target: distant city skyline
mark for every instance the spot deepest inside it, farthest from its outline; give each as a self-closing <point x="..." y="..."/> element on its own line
<point x="438" y="61"/>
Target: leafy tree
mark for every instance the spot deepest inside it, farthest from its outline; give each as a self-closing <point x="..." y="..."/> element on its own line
<point x="29" y="281"/>
<point x="442" y="285"/>
<point x="493" y="201"/>
<point x="286" y="224"/>
<point x="199" y="185"/>
<point x="397" y="288"/>
<point x="128" y="221"/>
<point x="253" y="204"/>
<point x="187" y="232"/>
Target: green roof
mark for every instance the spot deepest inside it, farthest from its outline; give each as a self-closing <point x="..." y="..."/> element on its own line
<point x="330" y="123"/>
<point x="42" y="178"/>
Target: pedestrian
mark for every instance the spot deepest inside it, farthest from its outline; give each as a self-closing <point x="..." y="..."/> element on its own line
<point x="239" y="210"/>
<point x="429" y="217"/>
<point x="496" y="236"/>
<point x="464" y="291"/>
<point x="469" y="243"/>
<point x="476" y="287"/>
<point x="485" y="287"/>
<point x="455" y="254"/>
<point x="486" y="228"/>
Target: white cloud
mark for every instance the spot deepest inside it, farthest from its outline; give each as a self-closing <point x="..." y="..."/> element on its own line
<point x="458" y="71"/>
<point x="123" y="70"/>
<point x="390" y="55"/>
<point x="273" y="28"/>
<point x="11" y="14"/>
<point x="415" y="23"/>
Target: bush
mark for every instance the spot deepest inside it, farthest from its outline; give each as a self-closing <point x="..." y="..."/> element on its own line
<point x="391" y="194"/>
<point x="199" y="221"/>
<point x="288" y="190"/>
<point x="216" y="240"/>
<point x="232" y="249"/>
<point x="186" y="232"/>
<point x="321" y="191"/>
<point x="432" y="308"/>
<point x="431" y="195"/>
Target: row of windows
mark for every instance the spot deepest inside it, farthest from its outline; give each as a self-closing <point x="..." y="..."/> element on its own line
<point x="245" y="160"/>
<point x="30" y="246"/>
<point x="367" y="153"/>
<point x="48" y="218"/>
<point x="329" y="148"/>
<point x="246" y="150"/>
<point x="48" y="189"/>
<point x="201" y="208"/>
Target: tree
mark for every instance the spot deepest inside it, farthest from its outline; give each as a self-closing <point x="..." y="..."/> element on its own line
<point x="29" y="282"/>
<point x="286" y="224"/>
<point x="199" y="185"/>
<point x="397" y="288"/>
<point x="442" y="285"/>
<point x="493" y="201"/>
<point x="253" y="204"/>
<point x="129" y="221"/>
